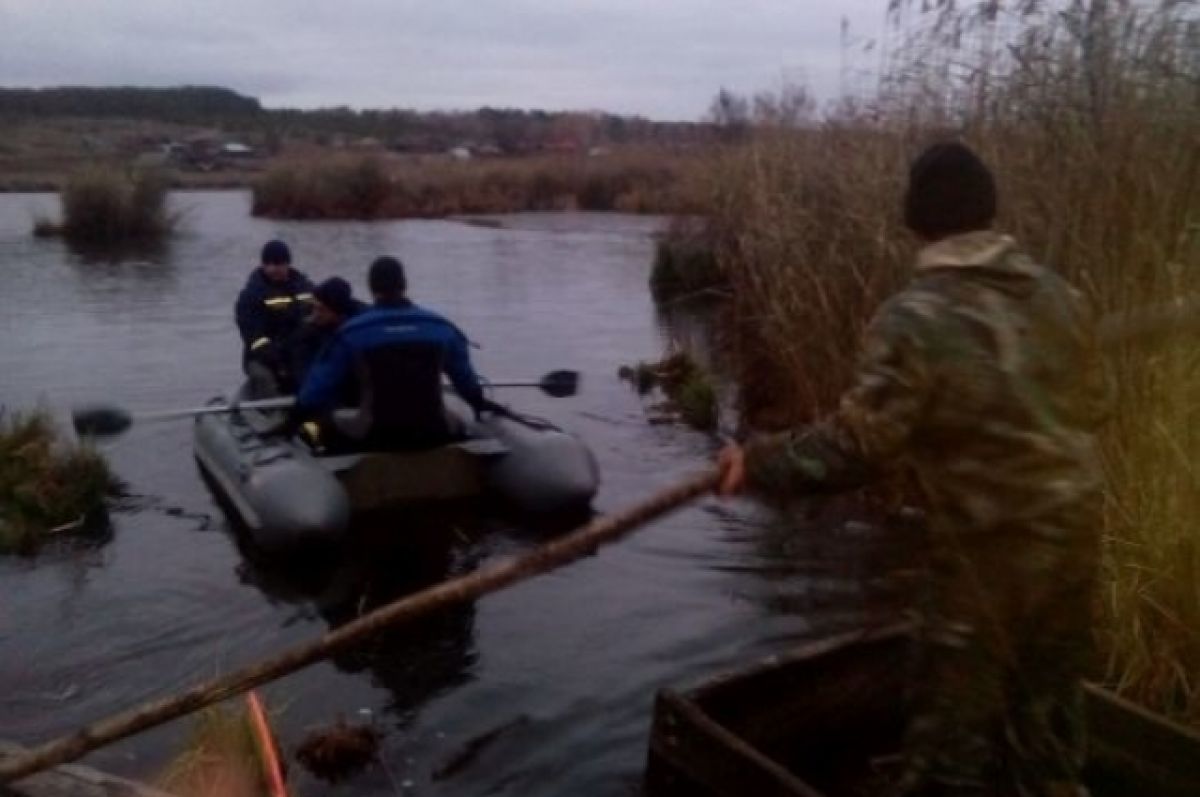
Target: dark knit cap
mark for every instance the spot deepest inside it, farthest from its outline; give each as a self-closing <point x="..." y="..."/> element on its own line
<point x="276" y="252"/>
<point x="335" y="294"/>
<point x="950" y="191"/>
<point x="386" y="277"/>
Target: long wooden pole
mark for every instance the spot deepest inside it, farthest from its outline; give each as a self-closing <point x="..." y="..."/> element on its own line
<point x="580" y="542"/>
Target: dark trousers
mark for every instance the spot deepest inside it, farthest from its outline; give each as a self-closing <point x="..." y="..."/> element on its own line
<point x="1005" y="638"/>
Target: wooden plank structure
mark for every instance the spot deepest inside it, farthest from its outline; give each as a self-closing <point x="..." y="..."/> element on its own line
<point x="808" y="724"/>
<point x="72" y="780"/>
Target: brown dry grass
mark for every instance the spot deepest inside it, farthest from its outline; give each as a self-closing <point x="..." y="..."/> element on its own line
<point x="367" y="187"/>
<point x="46" y="485"/>
<point x="221" y="758"/>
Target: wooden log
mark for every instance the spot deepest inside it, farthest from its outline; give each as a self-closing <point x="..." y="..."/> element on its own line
<point x="466" y="588"/>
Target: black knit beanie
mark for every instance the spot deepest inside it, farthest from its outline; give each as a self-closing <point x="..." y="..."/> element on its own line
<point x="386" y="277"/>
<point x="335" y="294"/>
<point x="950" y="191"/>
<point x="276" y="252"/>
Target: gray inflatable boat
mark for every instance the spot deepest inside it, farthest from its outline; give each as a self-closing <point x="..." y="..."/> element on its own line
<point x="286" y="495"/>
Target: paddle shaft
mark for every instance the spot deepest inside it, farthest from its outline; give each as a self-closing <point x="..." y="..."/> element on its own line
<point x="580" y="542"/>
<point x="277" y="403"/>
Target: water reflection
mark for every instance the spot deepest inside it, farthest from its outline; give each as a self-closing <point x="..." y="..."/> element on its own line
<point x="384" y="559"/>
<point x="147" y="251"/>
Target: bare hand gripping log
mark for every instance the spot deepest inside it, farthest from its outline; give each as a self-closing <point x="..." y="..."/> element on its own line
<point x="459" y="590"/>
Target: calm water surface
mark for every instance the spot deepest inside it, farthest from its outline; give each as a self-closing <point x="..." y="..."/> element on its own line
<point x="556" y="675"/>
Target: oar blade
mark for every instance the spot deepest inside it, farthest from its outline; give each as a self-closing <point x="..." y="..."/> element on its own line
<point x="100" y="421"/>
<point x="560" y="384"/>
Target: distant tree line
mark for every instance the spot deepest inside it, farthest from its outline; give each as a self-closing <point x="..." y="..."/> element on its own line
<point x="505" y="130"/>
<point x="184" y="104"/>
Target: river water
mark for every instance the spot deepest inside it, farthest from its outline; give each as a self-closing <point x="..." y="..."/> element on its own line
<point x="543" y="689"/>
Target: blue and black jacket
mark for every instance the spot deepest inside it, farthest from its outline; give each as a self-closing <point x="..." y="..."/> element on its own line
<point x="397" y="352"/>
<point x="269" y="313"/>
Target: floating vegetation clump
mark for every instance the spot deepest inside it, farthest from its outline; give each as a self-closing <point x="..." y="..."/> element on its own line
<point x="337" y="752"/>
<point x="47" y="486"/>
<point x="690" y="395"/>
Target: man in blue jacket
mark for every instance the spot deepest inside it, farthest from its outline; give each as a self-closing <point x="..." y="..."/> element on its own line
<point x="269" y="311"/>
<point x="396" y="353"/>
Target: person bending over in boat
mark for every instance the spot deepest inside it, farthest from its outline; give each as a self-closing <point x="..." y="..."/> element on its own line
<point x="983" y="374"/>
<point x="269" y="311"/>
<point x="333" y="305"/>
<point x="395" y="354"/>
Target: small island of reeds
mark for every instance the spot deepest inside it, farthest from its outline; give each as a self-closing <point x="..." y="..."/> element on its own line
<point x="48" y="486"/>
<point x="108" y="207"/>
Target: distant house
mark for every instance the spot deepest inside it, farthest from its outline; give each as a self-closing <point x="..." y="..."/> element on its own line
<point x="237" y="150"/>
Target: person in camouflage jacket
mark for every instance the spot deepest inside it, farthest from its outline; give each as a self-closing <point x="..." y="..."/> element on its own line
<point x="984" y="377"/>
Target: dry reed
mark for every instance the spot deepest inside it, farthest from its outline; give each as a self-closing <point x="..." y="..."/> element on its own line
<point x="1089" y="114"/>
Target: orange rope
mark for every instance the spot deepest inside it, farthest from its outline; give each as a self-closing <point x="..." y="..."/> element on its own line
<point x="266" y="743"/>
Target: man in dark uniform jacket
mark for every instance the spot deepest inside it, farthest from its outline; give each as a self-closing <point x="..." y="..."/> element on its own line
<point x="269" y="312"/>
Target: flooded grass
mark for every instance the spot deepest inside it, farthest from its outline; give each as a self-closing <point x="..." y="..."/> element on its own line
<point x="374" y="187"/>
<point x="47" y="487"/>
<point x="1087" y="113"/>
<point x="108" y="207"/>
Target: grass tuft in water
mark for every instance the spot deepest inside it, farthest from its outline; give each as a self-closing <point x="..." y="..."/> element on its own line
<point x="107" y="207"/>
<point x="47" y="487"/>
<point x="689" y="390"/>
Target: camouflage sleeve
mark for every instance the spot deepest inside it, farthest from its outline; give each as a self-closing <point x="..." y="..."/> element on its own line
<point x="872" y="424"/>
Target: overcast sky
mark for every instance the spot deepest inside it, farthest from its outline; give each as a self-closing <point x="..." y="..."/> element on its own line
<point x="664" y="59"/>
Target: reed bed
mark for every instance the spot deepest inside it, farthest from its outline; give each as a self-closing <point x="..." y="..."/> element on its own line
<point x="374" y="187"/>
<point x="1089" y="114"/>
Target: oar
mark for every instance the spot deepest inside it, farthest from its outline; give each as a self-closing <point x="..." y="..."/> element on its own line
<point x="100" y="420"/>
<point x="558" y="384"/>
<point x="581" y="542"/>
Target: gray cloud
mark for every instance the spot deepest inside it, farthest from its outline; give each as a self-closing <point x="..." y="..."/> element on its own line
<point x="658" y="58"/>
